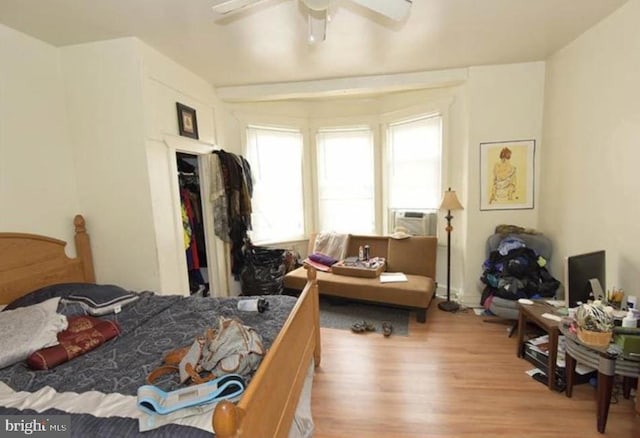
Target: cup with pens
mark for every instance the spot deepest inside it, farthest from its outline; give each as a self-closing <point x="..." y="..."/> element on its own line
<point x="615" y="297"/>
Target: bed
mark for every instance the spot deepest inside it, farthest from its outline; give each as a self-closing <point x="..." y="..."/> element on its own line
<point x="266" y="409"/>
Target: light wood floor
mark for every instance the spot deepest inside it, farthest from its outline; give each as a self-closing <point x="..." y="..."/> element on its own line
<point x="455" y="376"/>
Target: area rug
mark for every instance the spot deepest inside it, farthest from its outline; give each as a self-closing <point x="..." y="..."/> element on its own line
<point x="341" y="314"/>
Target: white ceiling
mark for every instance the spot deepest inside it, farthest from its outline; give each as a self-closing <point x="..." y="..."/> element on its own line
<point x="268" y="44"/>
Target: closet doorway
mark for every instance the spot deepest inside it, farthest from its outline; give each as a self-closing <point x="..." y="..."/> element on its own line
<point x="191" y="196"/>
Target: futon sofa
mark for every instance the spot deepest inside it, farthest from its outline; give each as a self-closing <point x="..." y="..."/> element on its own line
<point x="414" y="256"/>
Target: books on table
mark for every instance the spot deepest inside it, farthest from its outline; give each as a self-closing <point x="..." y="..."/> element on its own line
<point x="392" y="277"/>
<point x="541" y="345"/>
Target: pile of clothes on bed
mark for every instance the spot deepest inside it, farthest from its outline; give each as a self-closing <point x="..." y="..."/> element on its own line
<point x="513" y="271"/>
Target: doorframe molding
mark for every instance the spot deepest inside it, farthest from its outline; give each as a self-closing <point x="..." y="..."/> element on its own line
<point x="215" y="248"/>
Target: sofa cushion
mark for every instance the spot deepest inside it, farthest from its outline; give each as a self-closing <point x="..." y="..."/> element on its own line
<point x="417" y="292"/>
<point x="377" y="245"/>
<point x="297" y="278"/>
<point x="415" y="256"/>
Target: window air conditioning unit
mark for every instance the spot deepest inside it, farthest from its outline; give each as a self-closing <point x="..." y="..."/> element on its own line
<point x="417" y="223"/>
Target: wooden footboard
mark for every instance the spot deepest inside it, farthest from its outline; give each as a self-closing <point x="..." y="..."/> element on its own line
<point x="268" y="406"/>
<point x="29" y="261"/>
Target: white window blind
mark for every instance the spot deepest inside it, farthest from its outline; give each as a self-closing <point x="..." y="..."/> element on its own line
<point x="345" y="180"/>
<point x="275" y="156"/>
<point x="414" y="156"/>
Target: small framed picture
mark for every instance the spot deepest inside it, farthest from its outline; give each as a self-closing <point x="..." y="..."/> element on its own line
<point x="187" y="123"/>
<point x="507" y="175"/>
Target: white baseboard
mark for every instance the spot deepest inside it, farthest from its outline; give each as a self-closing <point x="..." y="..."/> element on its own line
<point x="457" y="296"/>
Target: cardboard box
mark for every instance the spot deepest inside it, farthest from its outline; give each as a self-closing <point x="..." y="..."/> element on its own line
<point x="629" y="343"/>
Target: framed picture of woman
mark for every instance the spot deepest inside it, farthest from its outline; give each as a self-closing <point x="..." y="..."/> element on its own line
<point x="507" y="175"/>
<point x="187" y="122"/>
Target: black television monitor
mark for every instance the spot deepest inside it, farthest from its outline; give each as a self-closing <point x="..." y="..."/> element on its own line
<point x="584" y="274"/>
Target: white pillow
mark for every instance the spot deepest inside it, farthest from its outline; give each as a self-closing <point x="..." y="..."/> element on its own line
<point x="27" y="329"/>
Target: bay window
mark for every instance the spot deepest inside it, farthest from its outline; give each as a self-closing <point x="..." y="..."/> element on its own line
<point x="275" y="156"/>
<point x="345" y="169"/>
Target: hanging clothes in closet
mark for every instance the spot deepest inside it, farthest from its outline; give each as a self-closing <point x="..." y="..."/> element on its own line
<point x="231" y="191"/>
<point x="193" y="226"/>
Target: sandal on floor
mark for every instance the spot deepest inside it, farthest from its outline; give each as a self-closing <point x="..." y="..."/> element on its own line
<point x="362" y="326"/>
<point x="387" y="328"/>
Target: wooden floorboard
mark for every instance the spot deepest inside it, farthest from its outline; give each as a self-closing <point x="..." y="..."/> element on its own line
<point x="455" y="376"/>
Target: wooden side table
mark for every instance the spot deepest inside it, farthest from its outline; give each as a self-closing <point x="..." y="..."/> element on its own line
<point x="533" y="313"/>
<point x="638" y="397"/>
<point x="609" y="361"/>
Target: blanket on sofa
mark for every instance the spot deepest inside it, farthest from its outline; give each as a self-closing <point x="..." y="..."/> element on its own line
<point x="331" y="244"/>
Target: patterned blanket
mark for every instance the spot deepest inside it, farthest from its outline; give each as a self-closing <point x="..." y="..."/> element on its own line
<point x="150" y="326"/>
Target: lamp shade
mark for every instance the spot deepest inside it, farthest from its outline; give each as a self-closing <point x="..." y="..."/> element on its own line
<point x="450" y="201"/>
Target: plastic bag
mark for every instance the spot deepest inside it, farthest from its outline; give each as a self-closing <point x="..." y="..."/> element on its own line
<point x="263" y="272"/>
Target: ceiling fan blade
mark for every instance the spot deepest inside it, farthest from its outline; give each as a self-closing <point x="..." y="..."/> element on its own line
<point x="224" y="7"/>
<point x="395" y="9"/>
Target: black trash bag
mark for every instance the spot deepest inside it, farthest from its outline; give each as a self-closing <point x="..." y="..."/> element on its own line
<point x="263" y="271"/>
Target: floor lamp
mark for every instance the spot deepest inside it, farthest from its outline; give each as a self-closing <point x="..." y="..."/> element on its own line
<point x="449" y="202"/>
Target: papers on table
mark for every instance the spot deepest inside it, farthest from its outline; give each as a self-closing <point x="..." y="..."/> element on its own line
<point x="392" y="277"/>
<point x="533" y="371"/>
<point x="552" y="316"/>
<point x="541" y="345"/>
<point x="556" y="303"/>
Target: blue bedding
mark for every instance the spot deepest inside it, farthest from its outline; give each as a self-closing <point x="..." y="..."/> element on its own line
<point x="151" y="326"/>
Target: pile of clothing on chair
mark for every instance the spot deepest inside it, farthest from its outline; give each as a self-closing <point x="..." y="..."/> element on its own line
<point x="514" y="271"/>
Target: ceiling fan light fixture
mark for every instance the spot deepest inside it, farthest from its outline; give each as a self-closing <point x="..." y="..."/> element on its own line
<point x="318" y="12"/>
<point x="317" y="5"/>
<point x="222" y="7"/>
<point x="397" y="10"/>
<point x="317" y="21"/>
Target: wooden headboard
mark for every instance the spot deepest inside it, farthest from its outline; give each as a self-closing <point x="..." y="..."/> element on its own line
<point x="31" y="261"/>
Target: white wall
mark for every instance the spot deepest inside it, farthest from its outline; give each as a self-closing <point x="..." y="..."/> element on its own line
<point x="105" y="102"/>
<point x="589" y="197"/>
<point x="92" y="129"/>
<point x="505" y="102"/>
<point x="37" y="181"/>
<point x="496" y="103"/>
<point x="123" y="95"/>
<point x="166" y="83"/>
<point x="375" y="110"/>
<point x="585" y="161"/>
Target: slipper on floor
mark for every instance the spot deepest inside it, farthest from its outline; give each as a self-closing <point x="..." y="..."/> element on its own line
<point x="362" y="326"/>
<point x="387" y="328"/>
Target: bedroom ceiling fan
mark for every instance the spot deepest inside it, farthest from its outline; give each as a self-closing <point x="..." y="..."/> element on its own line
<point x="318" y="14"/>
